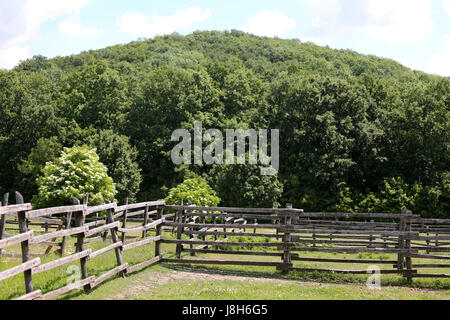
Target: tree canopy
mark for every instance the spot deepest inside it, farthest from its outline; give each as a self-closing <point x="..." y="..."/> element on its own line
<point x="357" y="132"/>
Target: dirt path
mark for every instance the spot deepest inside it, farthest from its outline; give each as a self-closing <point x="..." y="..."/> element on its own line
<point x="153" y="280"/>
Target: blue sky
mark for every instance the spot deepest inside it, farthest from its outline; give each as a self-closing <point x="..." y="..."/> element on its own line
<point x="414" y="32"/>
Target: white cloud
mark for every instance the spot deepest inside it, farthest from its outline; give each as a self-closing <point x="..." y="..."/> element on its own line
<point x="73" y="28"/>
<point x="9" y="57"/>
<point x="440" y="62"/>
<point x="21" y="20"/>
<point x="324" y="12"/>
<point x="269" y="24"/>
<point x="140" y="24"/>
<point x="399" y="20"/>
<point x="446" y="6"/>
<point x="385" y="20"/>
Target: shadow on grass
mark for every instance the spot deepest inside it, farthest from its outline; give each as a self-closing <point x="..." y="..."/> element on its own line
<point x="312" y="277"/>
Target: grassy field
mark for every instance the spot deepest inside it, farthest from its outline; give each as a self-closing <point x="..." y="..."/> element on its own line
<point x="167" y="281"/>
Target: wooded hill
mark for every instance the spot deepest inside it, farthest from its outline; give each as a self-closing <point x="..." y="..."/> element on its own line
<point x="357" y="133"/>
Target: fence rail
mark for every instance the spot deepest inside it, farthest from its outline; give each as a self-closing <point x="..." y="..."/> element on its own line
<point x="286" y="233"/>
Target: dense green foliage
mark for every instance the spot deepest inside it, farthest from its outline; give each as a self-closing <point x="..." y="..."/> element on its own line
<point x="76" y="172"/>
<point x="195" y="190"/>
<point x="356" y="132"/>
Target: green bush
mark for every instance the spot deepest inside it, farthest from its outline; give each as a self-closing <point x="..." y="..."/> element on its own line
<point x="195" y="190"/>
<point x="76" y="172"/>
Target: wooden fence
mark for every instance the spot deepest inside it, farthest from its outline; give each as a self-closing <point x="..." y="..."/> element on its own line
<point x="85" y="231"/>
<point x="286" y="234"/>
<point x="289" y="231"/>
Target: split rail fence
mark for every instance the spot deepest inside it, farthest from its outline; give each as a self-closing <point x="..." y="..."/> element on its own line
<point x="285" y="233"/>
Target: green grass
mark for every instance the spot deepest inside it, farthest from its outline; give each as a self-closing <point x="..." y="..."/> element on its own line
<point x="334" y="286"/>
<point x="145" y="285"/>
<point x="238" y="290"/>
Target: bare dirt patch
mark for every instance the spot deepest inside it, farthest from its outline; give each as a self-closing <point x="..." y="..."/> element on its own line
<point x="154" y="279"/>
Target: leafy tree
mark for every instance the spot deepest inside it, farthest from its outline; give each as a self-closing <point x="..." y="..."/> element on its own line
<point x="116" y="153"/>
<point x="348" y="122"/>
<point x="45" y="151"/>
<point x="244" y="186"/>
<point x="76" y="172"/>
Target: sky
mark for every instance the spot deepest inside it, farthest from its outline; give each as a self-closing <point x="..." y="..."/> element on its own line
<point x="416" y="33"/>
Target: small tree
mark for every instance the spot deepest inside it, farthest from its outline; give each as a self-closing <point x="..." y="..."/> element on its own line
<point x="76" y="172"/>
<point x="119" y="157"/>
<point x="195" y="190"/>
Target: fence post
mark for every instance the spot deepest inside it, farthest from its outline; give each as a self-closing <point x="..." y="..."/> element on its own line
<point x="124" y="223"/>
<point x="179" y="229"/>
<point x="287" y="262"/>
<point x="115" y="239"/>
<point x="191" y="237"/>
<point x="3" y="219"/>
<point x="159" y="215"/>
<point x="79" y="222"/>
<point x="408" y="227"/>
<point x="64" y="239"/>
<point x="24" y="244"/>
<point x="144" y="233"/>
<point x="401" y="244"/>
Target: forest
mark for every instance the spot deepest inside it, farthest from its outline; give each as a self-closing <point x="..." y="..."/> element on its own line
<point x="358" y="133"/>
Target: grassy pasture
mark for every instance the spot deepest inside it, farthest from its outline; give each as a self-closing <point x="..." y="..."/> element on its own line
<point x="265" y="283"/>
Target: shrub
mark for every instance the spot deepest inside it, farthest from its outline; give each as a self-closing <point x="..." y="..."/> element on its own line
<point x="76" y="172"/>
<point x="196" y="190"/>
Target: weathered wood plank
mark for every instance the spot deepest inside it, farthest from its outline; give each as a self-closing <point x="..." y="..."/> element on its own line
<point x="140" y="205"/>
<point x="57" y="234"/>
<point x="55" y="210"/>
<point x="141" y="243"/>
<point x="220" y="233"/>
<point x="348" y="271"/>
<point x="224" y="262"/>
<point x="95" y="231"/>
<point x="431" y="266"/>
<point x="428" y="256"/>
<point x="233" y="215"/>
<point x="206" y="225"/>
<point x="49" y="221"/>
<point x="233" y="244"/>
<point x="16" y="239"/>
<point x="233" y="252"/>
<point x="104" y="250"/>
<point x="430" y="275"/>
<point x="141" y="228"/>
<point x="30" y="296"/>
<point x="362" y="261"/>
<point x="353" y="215"/>
<point x="366" y="232"/>
<point x="108" y="275"/>
<point x="19" y="269"/>
<point x="13" y="209"/>
<point x="230" y="209"/>
<point x="144" y="264"/>
<point x="95" y="223"/>
<point x="103" y="207"/>
<point x="94" y="239"/>
<point x="351" y="250"/>
<point x="66" y="289"/>
<point x="59" y="262"/>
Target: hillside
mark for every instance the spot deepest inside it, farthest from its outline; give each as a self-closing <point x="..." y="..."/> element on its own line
<point x="357" y="132"/>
